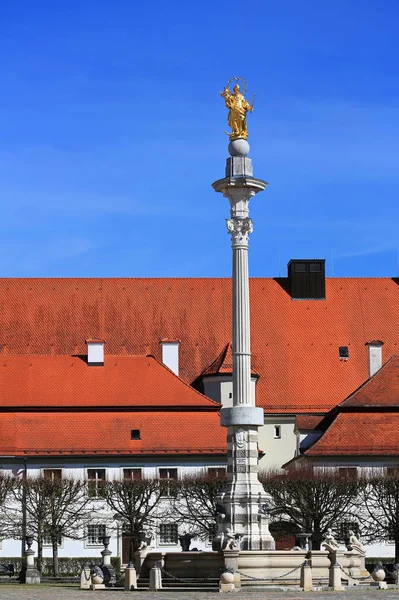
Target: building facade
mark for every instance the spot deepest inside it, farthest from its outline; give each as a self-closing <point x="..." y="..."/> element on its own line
<point x="83" y="367"/>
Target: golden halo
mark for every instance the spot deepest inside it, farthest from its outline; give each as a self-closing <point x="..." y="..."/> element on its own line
<point x="237" y="79"/>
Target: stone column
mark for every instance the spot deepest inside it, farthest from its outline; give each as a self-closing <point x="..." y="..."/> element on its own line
<point x="244" y="499"/>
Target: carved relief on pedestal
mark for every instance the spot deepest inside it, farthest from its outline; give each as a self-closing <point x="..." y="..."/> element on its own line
<point x="241" y="437"/>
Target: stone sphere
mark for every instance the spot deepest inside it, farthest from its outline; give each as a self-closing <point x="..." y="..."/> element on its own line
<point x="378" y="575"/>
<point x="227" y="577"/>
<point x="239" y="147"/>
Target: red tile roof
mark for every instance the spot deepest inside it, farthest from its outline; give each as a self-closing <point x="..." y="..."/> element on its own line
<point x="365" y="433"/>
<point x="308" y="422"/>
<point x="223" y="364"/>
<point x="55" y="433"/>
<point x="382" y="390"/>
<point x="125" y="381"/>
<point x="294" y="342"/>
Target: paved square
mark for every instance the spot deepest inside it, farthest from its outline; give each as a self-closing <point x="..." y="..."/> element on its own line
<point x="65" y="592"/>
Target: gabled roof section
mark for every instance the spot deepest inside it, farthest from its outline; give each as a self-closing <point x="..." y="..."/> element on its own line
<point x="97" y="433"/>
<point x="134" y="382"/>
<point x="223" y="364"/>
<point x="381" y="390"/>
<point x="365" y="433"/>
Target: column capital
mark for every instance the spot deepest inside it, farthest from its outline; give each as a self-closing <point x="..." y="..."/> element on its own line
<point x="239" y="230"/>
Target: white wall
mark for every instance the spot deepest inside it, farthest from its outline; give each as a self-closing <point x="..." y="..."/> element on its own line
<point x="220" y="388"/>
<point x="101" y="514"/>
<point x="170" y="355"/>
<point x="277" y="450"/>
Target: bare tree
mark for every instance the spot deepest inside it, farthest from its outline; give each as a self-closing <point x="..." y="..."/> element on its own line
<point x="195" y="502"/>
<point x="313" y="500"/>
<point x="7" y="505"/>
<point x="31" y="500"/>
<point x="381" y="503"/>
<point x="55" y="509"/>
<point x="137" y="503"/>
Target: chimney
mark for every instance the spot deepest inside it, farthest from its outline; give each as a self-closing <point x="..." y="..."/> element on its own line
<point x="170" y="354"/>
<point x="307" y="279"/>
<point x="95" y="352"/>
<point x="375" y="356"/>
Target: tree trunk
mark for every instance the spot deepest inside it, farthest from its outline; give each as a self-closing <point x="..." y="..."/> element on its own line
<point x="39" y="554"/>
<point x="131" y="549"/>
<point x="396" y="550"/>
<point x="55" y="557"/>
<point x="317" y="538"/>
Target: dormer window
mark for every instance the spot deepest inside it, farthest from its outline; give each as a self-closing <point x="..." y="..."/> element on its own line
<point x="135" y="434"/>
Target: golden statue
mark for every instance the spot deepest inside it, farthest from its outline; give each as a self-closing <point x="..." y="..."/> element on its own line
<point x="238" y="107"/>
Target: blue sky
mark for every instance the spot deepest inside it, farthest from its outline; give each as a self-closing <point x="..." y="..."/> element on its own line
<point x="112" y="131"/>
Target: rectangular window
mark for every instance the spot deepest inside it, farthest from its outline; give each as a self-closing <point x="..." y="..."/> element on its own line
<point x="132" y="474"/>
<point x="344" y="527"/>
<point x="212" y="531"/>
<point x="168" y="533"/>
<point x="392" y="472"/>
<point x="52" y="474"/>
<point x="315" y="267"/>
<point x="95" y="534"/>
<point x="96" y="482"/>
<point x="47" y="540"/>
<point x="217" y="472"/>
<point x="168" y="476"/>
<point x="347" y="472"/>
<point x="277" y="432"/>
<point x="343" y="352"/>
<point x="300" y="268"/>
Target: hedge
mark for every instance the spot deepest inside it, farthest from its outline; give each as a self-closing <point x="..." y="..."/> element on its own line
<point x="67" y="567"/>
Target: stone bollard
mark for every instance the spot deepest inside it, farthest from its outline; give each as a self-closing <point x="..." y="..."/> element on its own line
<point x="334" y="578"/>
<point x="231" y="565"/>
<point x="97" y="579"/>
<point x="85" y="578"/>
<point x="130" y="578"/>
<point x="306" y="577"/>
<point x="155" y="577"/>
<point x="378" y="575"/>
<point x="226" y="582"/>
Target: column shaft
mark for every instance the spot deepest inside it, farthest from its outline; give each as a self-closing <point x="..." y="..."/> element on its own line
<point x="241" y="328"/>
